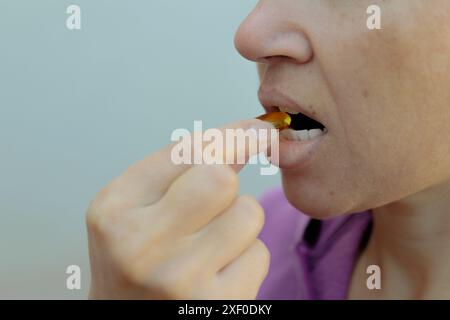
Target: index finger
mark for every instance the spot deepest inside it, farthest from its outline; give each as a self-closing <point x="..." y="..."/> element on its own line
<point x="147" y="180"/>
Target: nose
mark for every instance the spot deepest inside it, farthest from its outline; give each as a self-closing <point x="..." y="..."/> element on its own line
<point x="270" y="32"/>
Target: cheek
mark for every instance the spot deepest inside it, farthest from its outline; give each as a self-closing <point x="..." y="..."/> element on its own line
<point x="391" y="132"/>
<point x="402" y="93"/>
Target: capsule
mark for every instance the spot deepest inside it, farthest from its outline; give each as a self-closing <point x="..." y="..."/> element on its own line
<point x="280" y="120"/>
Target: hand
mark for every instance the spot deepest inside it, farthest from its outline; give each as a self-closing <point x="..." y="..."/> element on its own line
<point x="165" y="231"/>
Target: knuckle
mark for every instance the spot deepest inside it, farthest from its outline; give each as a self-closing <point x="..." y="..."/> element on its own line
<point x="106" y="202"/>
<point x="94" y="221"/>
<point x="224" y="177"/>
<point x="101" y="202"/>
<point x="263" y="254"/>
<point x="254" y="214"/>
<point x="96" y="226"/>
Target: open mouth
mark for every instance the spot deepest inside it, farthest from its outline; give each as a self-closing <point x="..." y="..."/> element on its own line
<point x="302" y="128"/>
<point x="300" y="121"/>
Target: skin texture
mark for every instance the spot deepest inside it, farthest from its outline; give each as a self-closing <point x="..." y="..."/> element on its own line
<point x="384" y="97"/>
<point x="165" y="231"/>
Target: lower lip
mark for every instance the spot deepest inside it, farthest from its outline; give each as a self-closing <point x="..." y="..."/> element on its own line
<point x="298" y="154"/>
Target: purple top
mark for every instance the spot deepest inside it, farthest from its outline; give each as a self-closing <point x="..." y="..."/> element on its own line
<point x="310" y="259"/>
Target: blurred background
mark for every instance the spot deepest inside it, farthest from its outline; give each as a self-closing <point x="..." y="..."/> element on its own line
<point x="78" y="107"/>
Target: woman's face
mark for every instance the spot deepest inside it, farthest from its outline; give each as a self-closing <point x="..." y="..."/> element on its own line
<point x="383" y="95"/>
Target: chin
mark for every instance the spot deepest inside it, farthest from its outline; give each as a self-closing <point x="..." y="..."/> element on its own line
<point x="315" y="201"/>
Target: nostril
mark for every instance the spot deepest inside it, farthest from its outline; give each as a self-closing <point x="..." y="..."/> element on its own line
<point x="276" y="59"/>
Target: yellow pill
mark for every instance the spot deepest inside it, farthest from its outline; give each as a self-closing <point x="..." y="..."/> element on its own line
<point x="280" y="120"/>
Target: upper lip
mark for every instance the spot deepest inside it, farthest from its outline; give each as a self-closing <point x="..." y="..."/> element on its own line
<point x="271" y="99"/>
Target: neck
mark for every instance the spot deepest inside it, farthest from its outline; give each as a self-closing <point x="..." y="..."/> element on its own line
<point x="411" y="243"/>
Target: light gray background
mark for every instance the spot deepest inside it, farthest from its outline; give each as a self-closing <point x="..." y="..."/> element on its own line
<point x="77" y="107"/>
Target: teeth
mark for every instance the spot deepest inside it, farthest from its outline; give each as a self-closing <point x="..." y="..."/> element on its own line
<point x="302" y="135"/>
<point x="288" y="134"/>
<point x="315" y="133"/>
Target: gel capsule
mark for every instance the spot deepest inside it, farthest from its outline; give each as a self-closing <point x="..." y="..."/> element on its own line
<point x="280" y="120"/>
